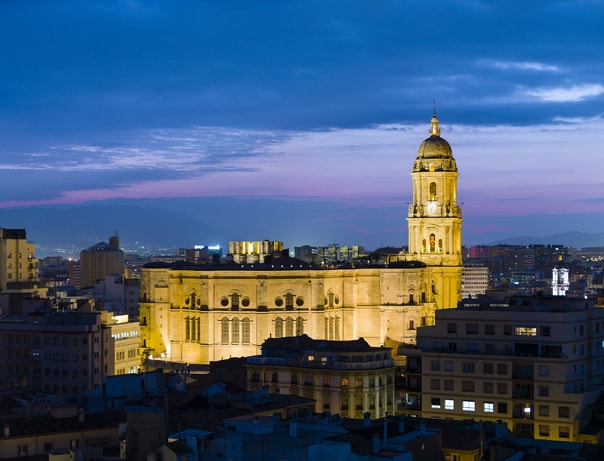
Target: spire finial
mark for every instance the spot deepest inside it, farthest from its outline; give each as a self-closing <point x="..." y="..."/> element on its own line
<point x="434" y="127"/>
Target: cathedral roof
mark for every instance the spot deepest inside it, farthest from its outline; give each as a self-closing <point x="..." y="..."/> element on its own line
<point x="435" y="153"/>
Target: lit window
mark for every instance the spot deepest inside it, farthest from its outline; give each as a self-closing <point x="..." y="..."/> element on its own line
<point x="489" y="407"/>
<point x="435" y="402"/>
<point x="449" y="404"/>
<point x="526" y="331"/>
<point x="468" y="405"/>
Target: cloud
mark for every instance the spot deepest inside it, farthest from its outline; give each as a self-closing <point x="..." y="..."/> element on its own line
<point x="575" y="93"/>
<point x="524" y="65"/>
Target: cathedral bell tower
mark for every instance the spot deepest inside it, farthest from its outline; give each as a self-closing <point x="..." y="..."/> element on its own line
<point x="434" y="216"/>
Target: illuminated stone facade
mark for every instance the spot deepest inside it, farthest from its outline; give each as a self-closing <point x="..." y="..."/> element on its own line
<point x="198" y="314"/>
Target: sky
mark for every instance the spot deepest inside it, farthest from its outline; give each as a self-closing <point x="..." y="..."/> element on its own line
<point x="299" y="120"/>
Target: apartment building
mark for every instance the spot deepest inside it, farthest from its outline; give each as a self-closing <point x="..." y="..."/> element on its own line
<point x="59" y="353"/>
<point x="19" y="272"/>
<point x="533" y="362"/>
<point x="346" y="377"/>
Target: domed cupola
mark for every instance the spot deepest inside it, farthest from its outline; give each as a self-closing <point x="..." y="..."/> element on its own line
<point x="434" y="153"/>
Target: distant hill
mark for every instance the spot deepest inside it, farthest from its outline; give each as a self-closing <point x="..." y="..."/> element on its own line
<point x="79" y="227"/>
<point x="572" y="239"/>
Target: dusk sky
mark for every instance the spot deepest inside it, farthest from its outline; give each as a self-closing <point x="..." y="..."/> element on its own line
<point x="299" y="120"/>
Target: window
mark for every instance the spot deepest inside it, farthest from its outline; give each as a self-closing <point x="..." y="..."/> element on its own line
<point x="543" y="390"/>
<point x="278" y="327"/>
<point x="435" y="384"/>
<point x="448" y="384"/>
<point x="471" y="328"/>
<point x="245" y="330"/>
<point x="545" y="331"/>
<point x="563" y="412"/>
<point x="489" y="348"/>
<point x="502" y="407"/>
<point x="468" y="367"/>
<point x="435" y="365"/>
<point x="451" y="328"/>
<point x="489" y="407"/>
<point x="344" y="382"/>
<point x="543" y="370"/>
<point x="448" y="365"/>
<point x="299" y="325"/>
<point x="235" y="331"/>
<point x="289" y="327"/>
<point x="543" y="410"/>
<point x="502" y="369"/>
<point x="235" y="301"/>
<point x="467" y="386"/>
<point x="564" y="432"/>
<point x="472" y="347"/>
<point x="326" y="381"/>
<point x="449" y="404"/>
<point x="452" y="347"/>
<point x="489" y="329"/>
<point x="502" y="388"/>
<point x="468" y="405"/>
<point x="435" y="402"/>
<point x="526" y="331"/>
<point x="487" y="387"/>
<point x="543" y="430"/>
<point x="487" y="368"/>
<point x="224" y="331"/>
<point x="507" y="330"/>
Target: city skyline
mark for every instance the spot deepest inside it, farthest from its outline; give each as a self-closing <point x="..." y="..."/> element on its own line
<point x="299" y="121"/>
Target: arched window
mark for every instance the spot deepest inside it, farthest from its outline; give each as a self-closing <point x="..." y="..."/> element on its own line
<point x="278" y="327"/>
<point x="235" y="331"/>
<point x="289" y="327"/>
<point x="224" y="331"/>
<point x="289" y="301"/>
<point x="235" y="301"/>
<point x="255" y="378"/>
<point x="246" y="327"/>
<point x="299" y="326"/>
<point x="432" y="191"/>
<point x="432" y="243"/>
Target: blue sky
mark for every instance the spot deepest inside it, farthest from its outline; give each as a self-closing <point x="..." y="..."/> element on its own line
<point x="313" y="109"/>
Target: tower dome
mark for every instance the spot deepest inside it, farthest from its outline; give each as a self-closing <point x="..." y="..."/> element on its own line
<point x="435" y="153"/>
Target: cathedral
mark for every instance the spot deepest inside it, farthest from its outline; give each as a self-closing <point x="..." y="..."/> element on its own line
<point x="196" y="314"/>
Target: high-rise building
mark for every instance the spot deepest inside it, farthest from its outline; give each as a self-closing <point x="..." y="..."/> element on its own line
<point x="101" y="260"/>
<point x="18" y="263"/>
<point x="213" y="312"/>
